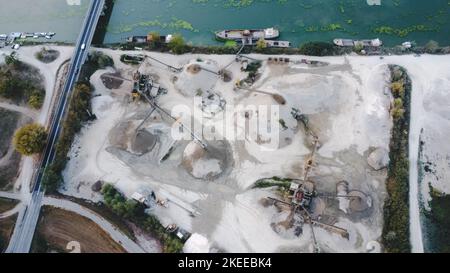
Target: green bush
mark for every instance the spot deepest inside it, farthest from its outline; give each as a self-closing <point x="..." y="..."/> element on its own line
<point x="36" y="99"/>
<point x="177" y="44"/>
<point x="51" y="179"/>
<point x="118" y="204"/>
<point x="317" y="49"/>
<point x="10" y="86"/>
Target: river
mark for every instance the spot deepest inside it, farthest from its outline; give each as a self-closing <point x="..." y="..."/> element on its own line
<point x="394" y="21"/>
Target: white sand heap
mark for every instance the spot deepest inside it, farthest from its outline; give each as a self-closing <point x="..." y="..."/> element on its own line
<point x="196" y="244"/>
<point x="195" y="79"/>
<point x="378" y="159"/>
<point x="201" y="163"/>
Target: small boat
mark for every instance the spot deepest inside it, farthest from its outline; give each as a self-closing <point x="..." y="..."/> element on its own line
<point x="407" y="45"/>
<point x="253" y="34"/>
<point x="279" y="44"/>
<point x="350" y="43"/>
<point x="48" y="37"/>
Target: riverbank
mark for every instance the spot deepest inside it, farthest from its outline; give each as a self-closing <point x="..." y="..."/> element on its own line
<point x="308" y="48"/>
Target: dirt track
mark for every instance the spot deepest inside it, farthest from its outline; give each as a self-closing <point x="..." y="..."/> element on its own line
<point x="59" y="227"/>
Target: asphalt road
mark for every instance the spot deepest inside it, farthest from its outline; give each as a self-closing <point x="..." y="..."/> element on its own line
<point x="27" y="220"/>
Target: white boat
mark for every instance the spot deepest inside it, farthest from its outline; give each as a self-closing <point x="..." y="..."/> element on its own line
<point x="407" y="44"/>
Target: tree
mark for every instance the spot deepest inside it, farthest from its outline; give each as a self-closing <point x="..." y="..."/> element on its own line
<point x="12" y="59"/>
<point x="101" y="60"/>
<point x="10" y="87"/>
<point x="51" y="179"/>
<point x="358" y="47"/>
<point x="398" y="88"/>
<point x="261" y="44"/>
<point x="30" y="139"/>
<point x="398" y="111"/>
<point x="154" y="37"/>
<point x="431" y="47"/>
<point x="177" y="44"/>
<point x="36" y="99"/>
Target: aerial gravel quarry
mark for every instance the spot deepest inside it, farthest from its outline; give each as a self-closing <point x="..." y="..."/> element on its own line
<point x="310" y="177"/>
<point x="243" y="153"/>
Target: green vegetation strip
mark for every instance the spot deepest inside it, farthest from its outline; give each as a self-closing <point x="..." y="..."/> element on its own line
<point x="396" y="208"/>
<point x="283" y="183"/>
<point x="134" y="212"/>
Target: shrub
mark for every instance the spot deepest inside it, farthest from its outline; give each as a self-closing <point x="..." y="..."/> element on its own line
<point x="51" y="179"/>
<point x="317" y="49"/>
<point x="431" y="47"/>
<point x="102" y="60"/>
<point x="12" y="59"/>
<point x="177" y="44"/>
<point x="261" y="44"/>
<point x="36" y="99"/>
<point x="10" y="86"/>
<point x="30" y="139"/>
<point x="398" y="88"/>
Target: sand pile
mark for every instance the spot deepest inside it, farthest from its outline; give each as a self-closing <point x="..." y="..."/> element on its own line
<point x="143" y="142"/>
<point x="196" y="244"/>
<point x="195" y="79"/>
<point x="112" y="80"/>
<point x="207" y="163"/>
<point x="359" y="201"/>
<point x="125" y="136"/>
